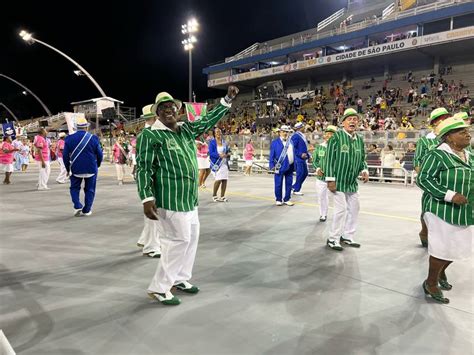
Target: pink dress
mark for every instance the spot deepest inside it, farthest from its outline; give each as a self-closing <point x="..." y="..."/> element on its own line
<point x="249" y="152"/>
<point x="59" y="148"/>
<point x="6" y="158"/>
<point x="202" y="155"/>
<point x="41" y="143"/>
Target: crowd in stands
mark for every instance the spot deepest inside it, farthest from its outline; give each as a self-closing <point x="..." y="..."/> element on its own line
<point x="382" y="106"/>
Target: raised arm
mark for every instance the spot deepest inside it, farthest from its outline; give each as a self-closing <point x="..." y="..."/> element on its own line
<point x="212" y="117"/>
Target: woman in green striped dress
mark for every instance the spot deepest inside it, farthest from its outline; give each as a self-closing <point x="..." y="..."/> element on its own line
<point x="447" y="179"/>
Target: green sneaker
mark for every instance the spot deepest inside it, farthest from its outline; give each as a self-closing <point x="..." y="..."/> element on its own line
<point x="187" y="287"/>
<point x="444" y="284"/>
<point x="349" y="243"/>
<point x="166" y="298"/>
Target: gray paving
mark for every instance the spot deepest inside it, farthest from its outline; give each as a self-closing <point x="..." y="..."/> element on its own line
<point x="269" y="285"/>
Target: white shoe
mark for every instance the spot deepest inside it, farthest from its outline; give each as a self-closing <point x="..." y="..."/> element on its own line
<point x="87" y="214"/>
<point x="279" y="203"/>
<point x="43" y="188"/>
<point x="298" y="193"/>
<point x="166" y="298"/>
<point x="77" y="212"/>
<point x="153" y="254"/>
<point x="334" y="245"/>
<point x="289" y="203"/>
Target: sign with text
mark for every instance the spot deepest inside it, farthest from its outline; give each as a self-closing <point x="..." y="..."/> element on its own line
<point x="381" y="49"/>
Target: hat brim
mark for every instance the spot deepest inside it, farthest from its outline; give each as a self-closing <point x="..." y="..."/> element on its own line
<point x="154" y="108"/>
<point x="431" y="120"/>
<point x="83" y="125"/>
<point x="148" y="116"/>
<point x="461" y="124"/>
<point x="350" y="115"/>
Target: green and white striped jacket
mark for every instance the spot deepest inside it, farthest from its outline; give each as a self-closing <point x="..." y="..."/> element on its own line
<point x="167" y="169"/>
<point x="344" y="160"/>
<point x="318" y="158"/>
<point x="443" y="174"/>
<point x="423" y="146"/>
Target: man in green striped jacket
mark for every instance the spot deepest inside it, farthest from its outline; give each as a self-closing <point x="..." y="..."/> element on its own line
<point x="344" y="161"/>
<point x="168" y="188"/>
<point x="318" y="162"/>
<point x="465" y="117"/>
<point x="423" y="146"/>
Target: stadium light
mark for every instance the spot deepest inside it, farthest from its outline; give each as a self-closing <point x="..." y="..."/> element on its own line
<point x="48" y="112"/>
<point x="192" y="26"/>
<point x="28" y="38"/>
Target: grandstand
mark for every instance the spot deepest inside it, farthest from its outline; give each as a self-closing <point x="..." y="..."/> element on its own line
<point x="417" y="36"/>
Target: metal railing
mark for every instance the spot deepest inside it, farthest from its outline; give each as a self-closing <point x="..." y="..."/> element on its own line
<point x="51" y="120"/>
<point x="390" y="9"/>
<point x="243" y="53"/>
<point x="313" y="35"/>
<point x="326" y="22"/>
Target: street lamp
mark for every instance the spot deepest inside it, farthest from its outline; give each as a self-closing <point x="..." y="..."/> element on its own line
<point x="28" y="37"/>
<point x="9" y="111"/>
<point x="188" y="29"/>
<point x="48" y="112"/>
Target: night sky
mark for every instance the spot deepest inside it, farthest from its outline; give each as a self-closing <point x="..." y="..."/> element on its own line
<point x="133" y="48"/>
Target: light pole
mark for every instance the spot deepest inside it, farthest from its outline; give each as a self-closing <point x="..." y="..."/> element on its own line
<point x="9" y="111"/>
<point x="28" y="37"/>
<point x="188" y="43"/>
<point x="48" y="112"/>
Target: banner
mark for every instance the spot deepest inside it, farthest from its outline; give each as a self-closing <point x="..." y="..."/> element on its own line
<point x="9" y="129"/>
<point x="381" y="49"/>
<point x="71" y="119"/>
<point x="194" y="110"/>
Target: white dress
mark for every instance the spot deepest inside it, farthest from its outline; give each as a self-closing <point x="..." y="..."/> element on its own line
<point x="223" y="172"/>
<point x="448" y="241"/>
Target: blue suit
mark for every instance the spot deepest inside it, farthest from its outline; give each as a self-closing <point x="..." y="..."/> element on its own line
<point x="285" y="171"/>
<point x="300" y="147"/>
<point x="82" y="155"/>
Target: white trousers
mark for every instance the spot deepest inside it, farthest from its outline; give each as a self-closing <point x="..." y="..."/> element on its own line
<point x="43" y="175"/>
<point x="150" y="237"/>
<point x="346" y="211"/>
<point x="120" y="169"/>
<point x="323" y="197"/>
<point x="62" y="177"/>
<point x="179" y="236"/>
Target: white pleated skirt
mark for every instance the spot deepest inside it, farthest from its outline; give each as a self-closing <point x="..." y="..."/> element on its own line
<point x="448" y="241"/>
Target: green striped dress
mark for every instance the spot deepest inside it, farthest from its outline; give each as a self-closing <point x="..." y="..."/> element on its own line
<point x="344" y="160"/>
<point x="441" y="172"/>
<point x="318" y="158"/>
<point x="423" y="146"/>
<point x="167" y="169"/>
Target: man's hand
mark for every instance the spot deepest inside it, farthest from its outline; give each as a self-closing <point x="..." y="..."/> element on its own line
<point x="43" y="165"/>
<point x="232" y="91"/>
<point x="149" y="209"/>
<point x="304" y="156"/>
<point x="319" y="172"/>
<point x="365" y="177"/>
<point x="459" y="199"/>
<point x="417" y="169"/>
<point x="222" y="155"/>
<point x="332" y="186"/>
